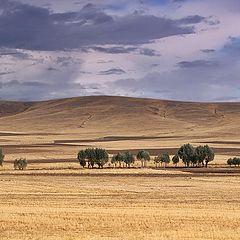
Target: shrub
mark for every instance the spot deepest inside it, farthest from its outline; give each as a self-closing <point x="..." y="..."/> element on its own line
<point x="20" y="164"/>
<point x="233" y="161"/>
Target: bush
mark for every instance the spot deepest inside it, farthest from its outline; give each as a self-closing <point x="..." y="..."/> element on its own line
<point x="233" y="161"/>
<point x="20" y="164"/>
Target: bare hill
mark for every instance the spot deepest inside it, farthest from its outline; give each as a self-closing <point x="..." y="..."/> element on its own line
<point x="120" y="116"/>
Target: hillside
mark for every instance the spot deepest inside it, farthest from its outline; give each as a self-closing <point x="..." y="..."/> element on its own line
<point x="119" y="115"/>
<point x="58" y="128"/>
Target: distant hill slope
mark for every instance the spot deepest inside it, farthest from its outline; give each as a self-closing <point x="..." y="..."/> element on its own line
<point x="114" y="116"/>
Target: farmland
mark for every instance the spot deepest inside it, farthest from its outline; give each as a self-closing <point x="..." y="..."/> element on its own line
<point x="56" y="199"/>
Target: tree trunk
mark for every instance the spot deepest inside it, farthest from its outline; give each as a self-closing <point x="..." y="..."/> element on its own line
<point x="206" y="164"/>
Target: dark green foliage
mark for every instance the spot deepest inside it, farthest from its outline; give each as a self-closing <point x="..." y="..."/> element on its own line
<point x="175" y="160"/>
<point x="120" y="158"/>
<point x="143" y="156"/>
<point x="164" y="158"/>
<point x="128" y="158"/>
<point x="101" y="157"/>
<point x="233" y="161"/>
<point x="187" y="154"/>
<point x="199" y="156"/>
<point x="209" y="155"/>
<point x="20" y="164"/>
<point x="114" y="161"/>
<point x="230" y="162"/>
<point x="82" y="158"/>
<point x="1" y="157"/>
<point x="92" y="156"/>
<point x="204" y="154"/>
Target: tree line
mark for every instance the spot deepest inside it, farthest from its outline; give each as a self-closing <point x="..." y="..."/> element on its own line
<point x="90" y="157"/>
<point x="190" y="156"/>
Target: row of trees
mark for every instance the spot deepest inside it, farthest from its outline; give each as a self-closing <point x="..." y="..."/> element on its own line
<point x="199" y="156"/>
<point x="233" y="162"/>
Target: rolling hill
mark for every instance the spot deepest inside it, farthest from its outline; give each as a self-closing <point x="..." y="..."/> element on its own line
<point x="120" y="115"/>
<point x="58" y="128"/>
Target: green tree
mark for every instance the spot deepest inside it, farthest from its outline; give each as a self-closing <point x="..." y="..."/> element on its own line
<point x="90" y="157"/>
<point x="128" y="159"/>
<point x="187" y="154"/>
<point x="1" y="157"/>
<point x="114" y="161"/>
<point x="209" y="155"/>
<point x="230" y="162"/>
<point x="120" y="158"/>
<point x="143" y="156"/>
<point x="20" y="164"/>
<point x="200" y="153"/>
<point x="101" y="157"/>
<point x="175" y="160"/>
<point x="82" y="158"/>
<point x="164" y="158"/>
<point x="236" y="161"/>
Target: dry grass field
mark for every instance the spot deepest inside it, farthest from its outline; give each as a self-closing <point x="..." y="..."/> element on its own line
<point x="147" y="204"/>
<point x="55" y="199"/>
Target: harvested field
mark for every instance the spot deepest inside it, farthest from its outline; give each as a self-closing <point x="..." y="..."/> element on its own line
<point x="123" y="206"/>
<point x="55" y="199"/>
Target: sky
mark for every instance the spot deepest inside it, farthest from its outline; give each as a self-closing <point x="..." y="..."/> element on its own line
<point x="186" y="50"/>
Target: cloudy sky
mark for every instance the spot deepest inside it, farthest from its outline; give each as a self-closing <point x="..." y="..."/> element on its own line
<point x="166" y="49"/>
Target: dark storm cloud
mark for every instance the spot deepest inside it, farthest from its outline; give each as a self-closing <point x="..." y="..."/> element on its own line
<point x="113" y="71"/>
<point x="36" y="28"/>
<point x="197" y="64"/>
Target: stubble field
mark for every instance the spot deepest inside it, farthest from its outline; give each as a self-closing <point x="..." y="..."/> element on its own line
<point x="55" y="199"/>
<point x="130" y="204"/>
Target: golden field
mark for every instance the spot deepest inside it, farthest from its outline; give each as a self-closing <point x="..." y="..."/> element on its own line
<point x="55" y="199"/>
<point x="130" y="204"/>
